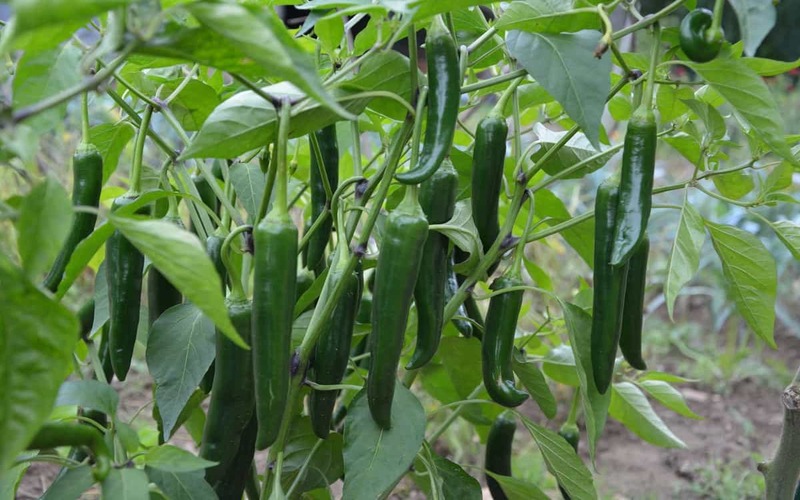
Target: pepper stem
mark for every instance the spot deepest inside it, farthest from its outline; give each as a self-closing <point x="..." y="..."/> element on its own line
<point x="507" y="94"/>
<point x="281" y="205"/>
<point x="85" y="117"/>
<point x="715" y="30"/>
<point x="647" y="101"/>
<point x="573" y="409"/>
<point x="519" y="252"/>
<point x="138" y="153"/>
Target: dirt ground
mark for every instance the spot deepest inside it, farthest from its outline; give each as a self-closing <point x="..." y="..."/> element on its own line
<point x="738" y="429"/>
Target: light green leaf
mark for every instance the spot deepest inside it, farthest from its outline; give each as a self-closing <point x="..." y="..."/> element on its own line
<point x="756" y="19"/>
<point x="181" y="258"/>
<point x="532" y="378"/>
<point x="182" y="485"/>
<point x="37" y="337"/>
<point x="770" y="67"/>
<point x="564" y="65"/>
<point x="595" y="405"/>
<point x="376" y="459"/>
<point x="41" y="74"/>
<point x="750" y="97"/>
<point x="45" y="216"/>
<point x="461" y="230"/>
<point x="750" y="273"/>
<point x="89" y="394"/>
<point x="260" y="35"/>
<point x="173" y="459"/>
<point x="517" y="489"/>
<point x="545" y="16"/>
<point x="72" y="483"/>
<point x="562" y="462"/>
<point x="577" y="149"/>
<point x="126" y="484"/>
<point x="580" y="237"/>
<point x="248" y="183"/>
<point x="11" y="478"/>
<point x="193" y="104"/>
<point x="180" y="349"/>
<point x="631" y="408"/>
<point x="110" y="139"/>
<point x="684" y="258"/>
<point x="789" y="234"/>
<point x="669" y="397"/>
<point x="665" y="377"/>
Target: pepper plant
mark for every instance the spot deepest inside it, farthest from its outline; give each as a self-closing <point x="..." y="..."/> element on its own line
<point x="301" y="235"/>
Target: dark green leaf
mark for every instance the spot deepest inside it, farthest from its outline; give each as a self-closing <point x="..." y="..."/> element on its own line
<point x="248" y="183"/>
<point x="126" y="484"/>
<point x="324" y="467"/>
<point x="110" y="139"/>
<point x="71" y="484"/>
<point x="564" y="65"/>
<point x="536" y="385"/>
<point x="517" y="489"/>
<point x="580" y="237"/>
<point x="180" y="349"/>
<point x="669" y="397"/>
<point x="375" y="459"/>
<point x="545" y="16"/>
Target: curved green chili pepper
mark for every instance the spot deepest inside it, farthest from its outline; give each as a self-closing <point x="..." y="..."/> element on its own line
<point x="87" y="183"/>
<point x="437" y="197"/>
<point x="399" y="261"/>
<point x="55" y="434"/>
<point x="327" y="162"/>
<point x="497" y="345"/>
<point x="444" y="94"/>
<point x="488" y="157"/>
<point x="609" y="287"/>
<point x="498" y="452"/>
<point x="630" y="339"/>
<point x="636" y="185"/>
<point x="124" y="266"/>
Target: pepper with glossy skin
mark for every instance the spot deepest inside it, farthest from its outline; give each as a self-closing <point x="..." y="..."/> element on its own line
<point x="463" y="326"/>
<point x="498" y="452"/>
<point x="497" y="345"/>
<point x="609" y="287"/>
<point x="327" y="163"/>
<point x="630" y="339"/>
<point x="87" y="183"/>
<point x="635" y="185"/>
<point x="399" y="262"/>
<point x="437" y="197"/>
<point x="696" y="40"/>
<point x="444" y="95"/>
<point x="274" y="292"/>
<point x="55" y="434"/>
<point x="124" y="266"/>
<point x="232" y="403"/>
<point x="488" y="157"/>
<point x="331" y="355"/>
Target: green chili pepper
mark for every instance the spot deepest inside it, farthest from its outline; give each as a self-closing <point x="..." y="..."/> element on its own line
<point x="487" y="176"/>
<point x="331" y="355"/>
<point x="498" y="343"/>
<point x="636" y="185"/>
<point x="274" y="290"/>
<point x="499" y="444"/>
<point x="444" y="94"/>
<point x="696" y="39"/>
<point x="87" y="183"/>
<point x="463" y="326"/>
<point x="55" y="434"/>
<point x="232" y="402"/>
<point x="630" y="340"/>
<point x="274" y="294"/>
<point x="327" y="163"/>
<point x="124" y="266"/>
<point x="609" y="287"/>
<point x="437" y="196"/>
<point x="399" y="262"/>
